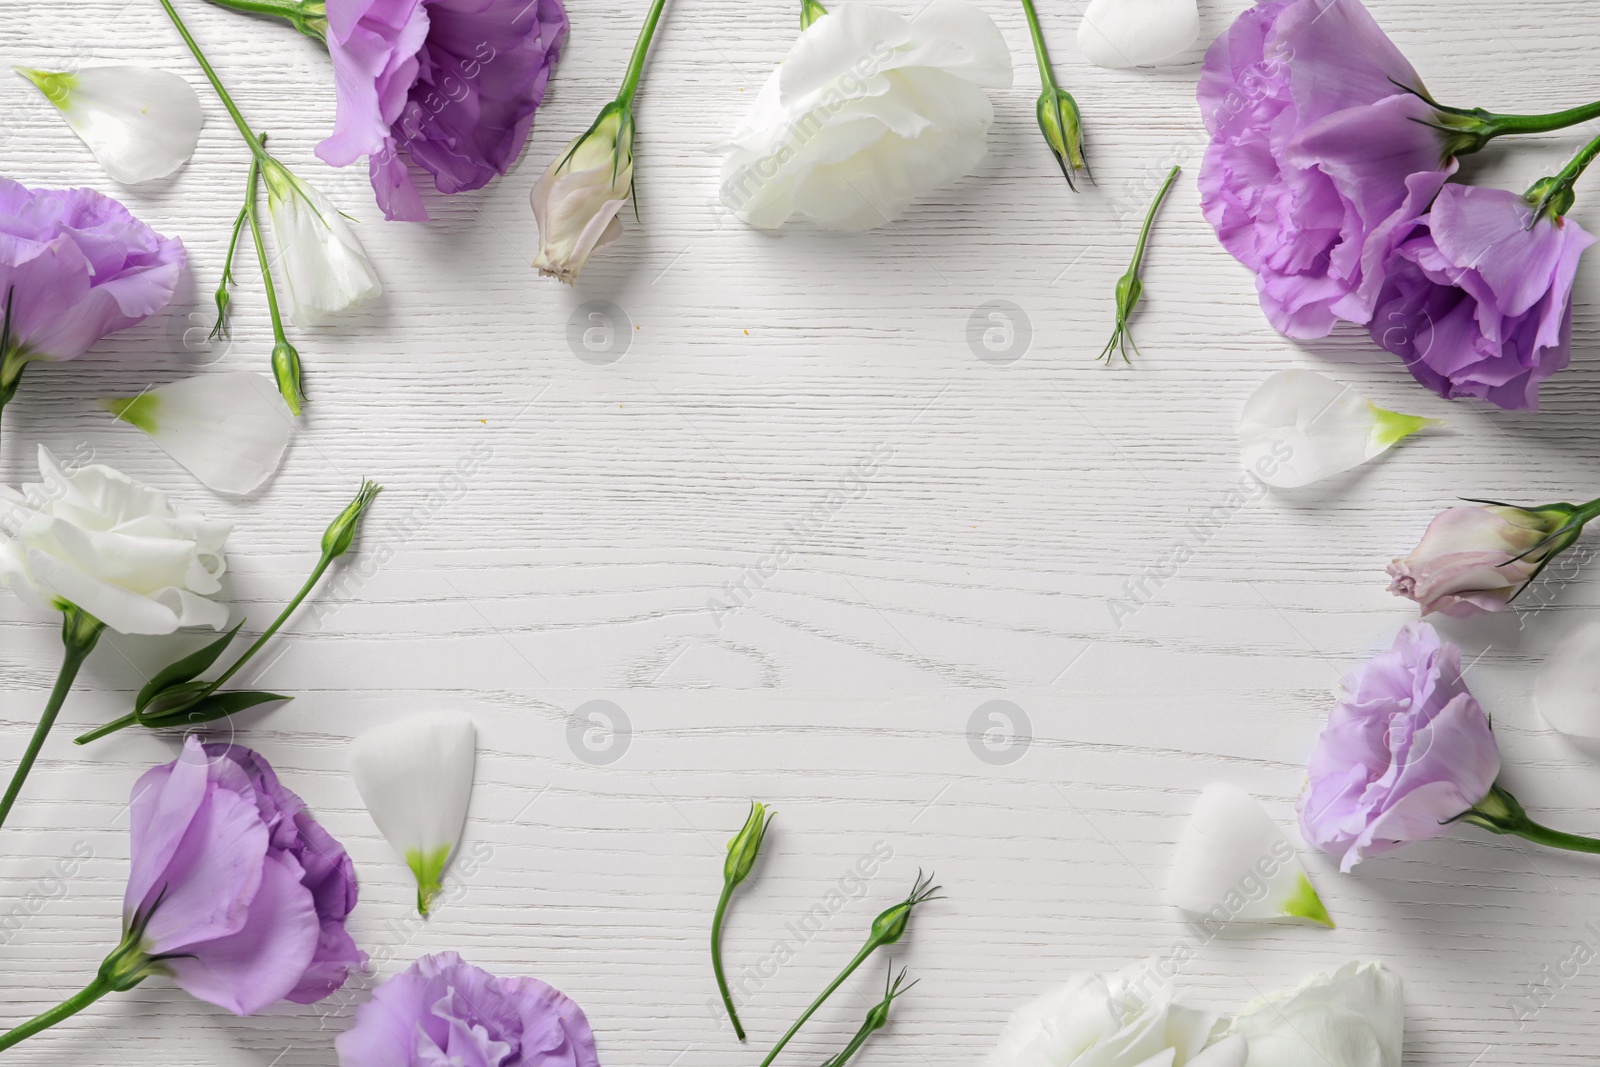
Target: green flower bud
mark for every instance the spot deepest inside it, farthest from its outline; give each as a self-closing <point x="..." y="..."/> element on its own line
<point x="810" y="11"/>
<point x="746" y="845"/>
<point x="341" y="533"/>
<point x="888" y="927"/>
<point x="286" y="369"/>
<point x="1062" y="126"/>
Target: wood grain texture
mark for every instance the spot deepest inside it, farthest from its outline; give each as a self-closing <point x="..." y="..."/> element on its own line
<point x="555" y="528"/>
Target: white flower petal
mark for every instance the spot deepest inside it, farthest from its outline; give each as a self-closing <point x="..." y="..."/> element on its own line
<point x="228" y="430"/>
<point x="1353" y="1018"/>
<point x="1300" y="427"/>
<point x="139" y="122"/>
<point x="1235" y="864"/>
<point x="1567" y="690"/>
<point x="868" y="112"/>
<point x="415" y="776"/>
<point x="324" y="266"/>
<point x="1137" y="33"/>
<point x="114" y="547"/>
<point x="1126" y="1019"/>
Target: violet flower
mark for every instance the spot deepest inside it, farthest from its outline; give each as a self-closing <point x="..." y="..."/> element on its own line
<point x="450" y="85"/>
<point x="74" y="267"/>
<point x="1478" y="297"/>
<point x="442" y="1009"/>
<point x="1477" y="559"/>
<point x="1408" y="751"/>
<point x="1325" y="146"/>
<point x="234" y="891"/>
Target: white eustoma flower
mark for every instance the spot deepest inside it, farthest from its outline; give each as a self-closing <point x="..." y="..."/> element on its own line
<point x="1115" y="1020"/>
<point x="92" y="537"/>
<point x="869" y="111"/>
<point x="1567" y="689"/>
<point x="1235" y="864"/>
<point x="228" y="430"/>
<point x="415" y="776"/>
<point x="576" y="199"/>
<point x="1353" y="1018"/>
<point x="1137" y="33"/>
<point x="325" y="267"/>
<point x="140" y="123"/>
<point x="1299" y="427"/>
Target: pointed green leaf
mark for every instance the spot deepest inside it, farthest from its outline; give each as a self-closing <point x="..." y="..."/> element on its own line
<point x="215" y="706"/>
<point x="186" y="669"/>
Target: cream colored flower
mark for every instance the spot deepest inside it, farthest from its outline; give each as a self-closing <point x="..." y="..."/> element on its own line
<point x="869" y="111"/>
<point x="140" y="123"/>
<point x="116" y="548"/>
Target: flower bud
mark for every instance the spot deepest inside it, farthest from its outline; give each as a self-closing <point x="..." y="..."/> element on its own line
<point x="746" y="845"/>
<point x="286" y="369"/>
<point x="576" y="200"/>
<point x="1062" y="127"/>
<point x="342" y="531"/>
<point x="888" y="927"/>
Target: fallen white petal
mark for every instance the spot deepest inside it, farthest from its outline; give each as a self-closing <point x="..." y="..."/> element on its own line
<point x="1567" y="690"/>
<point x="1137" y="33"/>
<point x="1300" y="427"/>
<point x="228" y="430"/>
<point x="140" y="123"/>
<point x="1355" y="1017"/>
<point x="415" y="776"/>
<point x="1234" y="864"/>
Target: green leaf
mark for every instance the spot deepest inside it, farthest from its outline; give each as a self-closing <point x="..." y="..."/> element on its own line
<point x="215" y="706"/>
<point x="186" y="669"/>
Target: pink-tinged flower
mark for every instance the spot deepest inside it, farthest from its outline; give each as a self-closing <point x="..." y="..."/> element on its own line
<point x="1407" y="750"/>
<point x="442" y="1010"/>
<point x="243" y="894"/>
<point x="1319" y="139"/>
<point x="1478" y="304"/>
<point x="1475" y="559"/>
<point x="451" y="85"/>
<point x="74" y="267"/>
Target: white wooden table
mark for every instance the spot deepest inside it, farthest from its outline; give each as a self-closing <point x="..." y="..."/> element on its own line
<point x="557" y="520"/>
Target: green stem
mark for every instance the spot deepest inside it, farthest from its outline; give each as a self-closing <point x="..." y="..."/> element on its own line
<point x="65" y="1010"/>
<point x="1554" y="195"/>
<point x="252" y="214"/>
<point x="1047" y="76"/>
<point x="641" y="49"/>
<point x="1555" y="120"/>
<point x="1149" y="220"/>
<point x="79" y="632"/>
<point x="1500" y="813"/>
<point x="310" y="17"/>
<point x="283" y="617"/>
<point x="716" y="958"/>
<point x="216" y="83"/>
<point x="850" y="969"/>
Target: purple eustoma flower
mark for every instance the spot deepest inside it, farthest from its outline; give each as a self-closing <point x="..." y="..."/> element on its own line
<point x="234" y="891"/>
<point x="74" y="267"/>
<point x="442" y="1010"/>
<point x="1407" y="750"/>
<point x="451" y="84"/>
<point x="1322" y="148"/>
<point x="1478" y="304"/>
<point x="243" y="894"/>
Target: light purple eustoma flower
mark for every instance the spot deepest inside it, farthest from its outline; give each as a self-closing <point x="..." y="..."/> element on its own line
<point x="442" y="1010"/>
<point x="1476" y="303"/>
<point x="1321" y="151"/>
<point x="245" y="894"/>
<point x="1407" y="750"/>
<point x="450" y="84"/>
<point x="234" y="891"/>
<point x="76" y="267"/>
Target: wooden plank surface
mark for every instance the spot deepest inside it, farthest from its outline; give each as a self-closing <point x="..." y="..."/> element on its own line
<point x="557" y="525"/>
